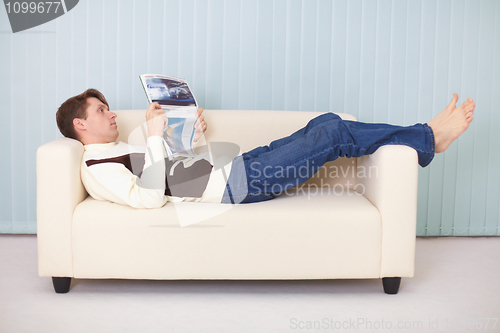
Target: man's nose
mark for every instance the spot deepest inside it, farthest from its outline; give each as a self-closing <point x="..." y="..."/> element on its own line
<point x="113" y="115"/>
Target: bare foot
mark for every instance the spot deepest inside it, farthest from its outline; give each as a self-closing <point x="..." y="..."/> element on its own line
<point x="451" y="123"/>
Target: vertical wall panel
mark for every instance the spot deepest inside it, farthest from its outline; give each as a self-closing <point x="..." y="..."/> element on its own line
<point x="231" y="55"/>
<point x="412" y="62"/>
<point x="6" y="53"/>
<point x="323" y="53"/>
<point x="79" y="46"/>
<point x="480" y="142"/>
<point x="142" y="37"/>
<point x="339" y="37"/>
<point x="264" y="57"/>
<point x="397" y="65"/>
<point x="155" y="29"/>
<point x="396" y="61"/>
<point x="493" y="189"/>
<point x="215" y="49"/>
<point x="197" y="84"/>
<point x="18" y="158"/>
<point x="109" y="51"/>
<point x="465" y="143"/>
<point x="125" y="54"/>
<point x="367" y="65"/>
<point x="293" y="50"/>
<point x="382" y="61"/>
<point x="48" y="69"/>
<point x="426" y="86"/>
<point x="438" y="100"/>
<point x="33" y="116"/>
<point x="353" y="58"/>
<point x="308" y="56"/>
<point x="247" y="40"/>
<point x="171" y="23"/>
<point x="94" y="44"/>
<point x="186" y="39"/>
<point x="455" y="65"/>
<point x="279" y="32"/>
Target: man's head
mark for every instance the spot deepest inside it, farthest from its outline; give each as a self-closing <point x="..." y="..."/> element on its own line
<point x="86" y="117"/>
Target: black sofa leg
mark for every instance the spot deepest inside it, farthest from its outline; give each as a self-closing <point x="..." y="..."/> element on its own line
<point x="391" y="285"/>
<point x="61" y="284"/>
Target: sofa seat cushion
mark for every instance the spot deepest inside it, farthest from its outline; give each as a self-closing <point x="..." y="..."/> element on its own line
<point x="290" y="237"/>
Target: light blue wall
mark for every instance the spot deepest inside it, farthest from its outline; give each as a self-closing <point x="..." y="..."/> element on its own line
<point x="382" y="61"/>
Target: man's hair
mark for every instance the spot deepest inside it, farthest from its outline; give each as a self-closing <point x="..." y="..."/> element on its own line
<point x="75" y="107"/>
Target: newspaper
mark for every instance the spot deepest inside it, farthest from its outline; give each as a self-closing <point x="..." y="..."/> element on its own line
<point x="179" y="105"/>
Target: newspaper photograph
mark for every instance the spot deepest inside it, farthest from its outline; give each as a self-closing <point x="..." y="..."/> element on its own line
<point x="167" y="91"/>
<point x="179" y="133"/>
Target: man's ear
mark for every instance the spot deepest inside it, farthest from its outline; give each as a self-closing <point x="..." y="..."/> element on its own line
<point x="79" y="124"/>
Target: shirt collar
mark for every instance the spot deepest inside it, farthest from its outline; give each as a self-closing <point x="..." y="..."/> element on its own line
<point x="99" y="146"/>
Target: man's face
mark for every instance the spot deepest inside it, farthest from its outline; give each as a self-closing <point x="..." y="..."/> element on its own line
<point x="100" y="125"/>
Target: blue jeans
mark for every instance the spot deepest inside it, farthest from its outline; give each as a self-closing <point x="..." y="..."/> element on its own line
<point x="266" y="171"/>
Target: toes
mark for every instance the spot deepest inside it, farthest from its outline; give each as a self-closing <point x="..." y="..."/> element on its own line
<point x="467" y="103"/>
<point x="471" y="106"/>
<point x="453" y="102"/>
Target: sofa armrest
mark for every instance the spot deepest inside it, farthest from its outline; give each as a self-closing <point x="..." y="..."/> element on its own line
<point x="59" y="191"/>
<point x="391" y="184"/>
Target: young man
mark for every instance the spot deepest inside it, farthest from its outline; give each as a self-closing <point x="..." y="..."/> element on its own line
<point x="143" y="177"/>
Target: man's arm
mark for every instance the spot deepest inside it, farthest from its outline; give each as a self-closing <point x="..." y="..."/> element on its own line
<point x="153" y="173"/>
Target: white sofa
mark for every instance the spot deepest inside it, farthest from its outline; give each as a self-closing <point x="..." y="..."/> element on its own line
<point x="358" y="226"/>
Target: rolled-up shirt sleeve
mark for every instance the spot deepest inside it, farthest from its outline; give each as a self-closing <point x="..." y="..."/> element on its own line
<point x="115" y="183"/>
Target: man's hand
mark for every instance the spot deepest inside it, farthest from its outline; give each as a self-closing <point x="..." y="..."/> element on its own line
<point x="201" y="126"/>
<point x="156" y="119"/>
